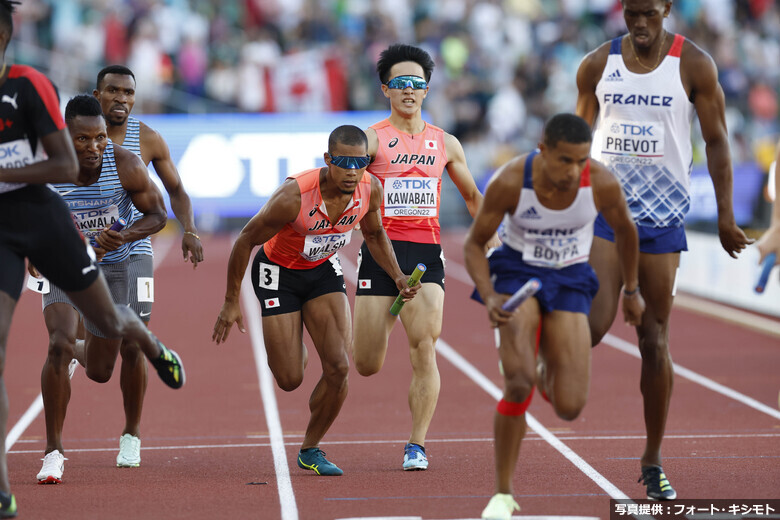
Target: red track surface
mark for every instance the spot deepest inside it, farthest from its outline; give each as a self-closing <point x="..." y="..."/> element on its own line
<point x="205" y="444"/>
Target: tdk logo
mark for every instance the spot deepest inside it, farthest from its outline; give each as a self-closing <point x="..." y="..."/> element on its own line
<point x="627" y="129"/>
<point x="530" y="213"/>
<point x="615" y="76"/>
<point x="412" y="184"/>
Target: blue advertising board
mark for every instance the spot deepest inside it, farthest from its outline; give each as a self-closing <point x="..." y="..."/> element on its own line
<point x="231" y="163"/>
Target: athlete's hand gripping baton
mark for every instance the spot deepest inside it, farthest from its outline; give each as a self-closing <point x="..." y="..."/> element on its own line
<point x="766" y="268"/>
<point x="413" y="280"/>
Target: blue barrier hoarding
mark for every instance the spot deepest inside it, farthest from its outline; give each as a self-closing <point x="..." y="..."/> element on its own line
<point x="231" y="163"/>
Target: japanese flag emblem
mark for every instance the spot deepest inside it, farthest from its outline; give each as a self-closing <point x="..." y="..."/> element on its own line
<point x="431" y="145"/>
<point x="364" y="284"/>
<point x="271" y="303"/>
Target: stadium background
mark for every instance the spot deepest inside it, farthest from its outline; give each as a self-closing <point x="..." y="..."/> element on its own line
<point x="245" y="91"/>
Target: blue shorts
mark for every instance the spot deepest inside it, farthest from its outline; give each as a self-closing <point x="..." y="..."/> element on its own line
<point x="651" y="240"/>
<point x="571" y="288"/>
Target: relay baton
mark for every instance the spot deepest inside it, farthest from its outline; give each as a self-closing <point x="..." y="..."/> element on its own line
<point x="528" y="289"/>
<point x="118" y="225"/>
<point x="413" y="280"/>
<point x="766" y="268"/>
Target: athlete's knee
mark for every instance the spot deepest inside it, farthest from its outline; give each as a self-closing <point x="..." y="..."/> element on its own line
<point x="367" y="361"/>
<point x="517" y="388"/>
<point x="568" y="408"/>
<point x="130" y="352"/>
<point x="336" y="369"/>
<point x="98" y="372"/>
<point x="61" y="347"/>
<point x="288" y="380"/>
<point x="423" y="355"/>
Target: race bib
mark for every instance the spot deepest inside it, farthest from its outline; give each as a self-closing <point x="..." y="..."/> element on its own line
<point x="92" y="221"/>
<point x="317" y="247"/>
<point x="15" y="154"/>
<point x="632" y="142"/>
<point x="554" y="251"/>
<point x="145" y="289"/>
<point x="39" y="285"/>
<point x="411" y="197"/>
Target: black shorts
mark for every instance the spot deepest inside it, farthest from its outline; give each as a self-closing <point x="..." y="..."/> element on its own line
<point x="374" y="281"/>
<point x="281" y="290"/>
<point x="35" y="223"/>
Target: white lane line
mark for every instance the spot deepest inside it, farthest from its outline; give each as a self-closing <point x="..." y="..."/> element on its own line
<point x="531" y="437"/>
<point x="283" y="482"/>
<point x="632" y="350"/>
<point x="459" y="272"/>
<point x="37" y="405"/>
<point x="487" y="385"/>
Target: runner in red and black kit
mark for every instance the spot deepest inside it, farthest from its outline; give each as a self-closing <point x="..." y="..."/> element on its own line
<point x="409" y="157"/>
<point x="36" y="149"/>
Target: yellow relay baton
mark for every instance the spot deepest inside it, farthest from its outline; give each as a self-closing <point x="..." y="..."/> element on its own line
<point x="413" y="280"/>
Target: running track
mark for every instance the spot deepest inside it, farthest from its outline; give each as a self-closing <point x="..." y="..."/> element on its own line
<point x="225" y="445"/>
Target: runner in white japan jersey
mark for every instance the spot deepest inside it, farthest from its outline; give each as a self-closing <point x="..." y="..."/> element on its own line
<point x="639" y="91"/>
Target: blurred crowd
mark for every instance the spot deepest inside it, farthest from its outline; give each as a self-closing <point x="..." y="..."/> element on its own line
<point x="503" y="66"/>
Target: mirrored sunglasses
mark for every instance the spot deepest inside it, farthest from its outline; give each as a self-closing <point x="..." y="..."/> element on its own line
<point x="401" y="82"/>
<point x="350" y="163"/>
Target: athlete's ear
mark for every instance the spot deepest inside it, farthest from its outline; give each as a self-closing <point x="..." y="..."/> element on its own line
<point x="326" y="157"/>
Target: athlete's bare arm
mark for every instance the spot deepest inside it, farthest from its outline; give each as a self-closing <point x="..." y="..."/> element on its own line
<point x="700" y="79"/>
<point x="281" y="208"/>
<point x="588" y="76"/>
<point x="770" y="240"/>
<point x="501" y="196"/>
<point x="60" y="166"/>
<point x="377" y="242"/>
<point x="154" y="149"/>
<point x="145" y="196"/>
<point x="373" y="142"/>
<point x="610" y="202"/>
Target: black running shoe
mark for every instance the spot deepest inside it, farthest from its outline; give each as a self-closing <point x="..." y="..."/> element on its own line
<point x="169" y="367"/>
<point x="7" y="505"/>
<point x="658" y="486"/>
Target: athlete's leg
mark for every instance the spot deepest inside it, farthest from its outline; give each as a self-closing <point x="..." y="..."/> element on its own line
<point x="565" y="344"/>
<point x="133" y="380"/>
<point x="62" y="323"/>
<point x="422" y="319"/>
<point x="516" y="350"/>
<point x="372" y="325"/>
<point x="7" y="306"/>
<point x="656" y="278"/>
<point x="116" y="321"/>
<point x="327" y="320"/>
<point x="280" y="333"/>
<point x="605" y="262"/>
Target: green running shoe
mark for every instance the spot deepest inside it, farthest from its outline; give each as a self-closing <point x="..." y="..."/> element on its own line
<point x="314" y="459"/>
<point x="169" y="367"/>
<point x="658" y="486"/>
<point x="7" y="505"/>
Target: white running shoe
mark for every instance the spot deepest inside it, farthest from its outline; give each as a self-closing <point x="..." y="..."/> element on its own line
<point x="129" y="452"/>
<point x="72" y="367"/>
<point x="53" y="466"/>
<point x="500" y="507"/>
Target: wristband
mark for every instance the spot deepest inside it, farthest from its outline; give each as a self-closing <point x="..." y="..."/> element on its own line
<point x="191" y="233"/>
<point x="631" y="293"/>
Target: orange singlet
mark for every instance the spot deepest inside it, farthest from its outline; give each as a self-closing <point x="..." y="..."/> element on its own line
<point x="309" y="240"/>
<point x="410" y="169"/>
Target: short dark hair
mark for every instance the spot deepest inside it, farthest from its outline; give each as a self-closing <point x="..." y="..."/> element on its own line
<point x="347" y="134"/>
<point x="569" y="128"/>
<point x="7" y="8"/>
<point x="82" y="105"/>
<point x="113" y="69"/>
<point x="400" y="52"/>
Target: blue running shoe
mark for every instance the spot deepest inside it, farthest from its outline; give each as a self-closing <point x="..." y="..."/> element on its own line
<point x="414" y="458"/>
<point x="314" y="459"/>
<point x="7" y="505"/>
<point x="658" y="486"/>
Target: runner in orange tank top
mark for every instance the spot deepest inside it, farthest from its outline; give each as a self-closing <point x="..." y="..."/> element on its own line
<point x="409" y="158"/>
<point x="297" y="276"/>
